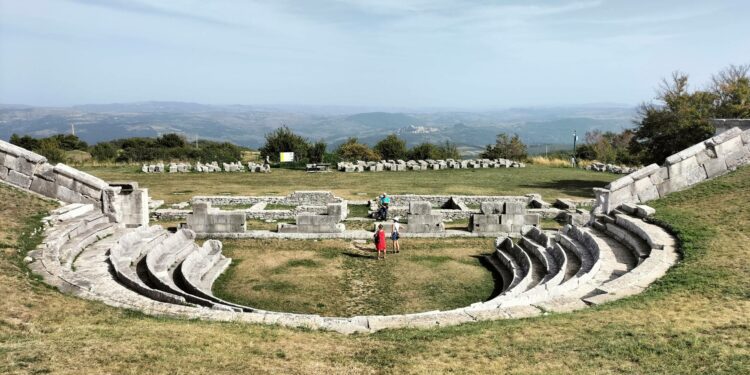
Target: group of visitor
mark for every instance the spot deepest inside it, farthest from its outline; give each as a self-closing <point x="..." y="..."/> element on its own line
<point x="379" y="238"/>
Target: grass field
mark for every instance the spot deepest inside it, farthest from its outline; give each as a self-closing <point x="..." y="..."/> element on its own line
<point x="342" y="278"/>
<point x="550" y="182"/>
<point x="694" y="320"/>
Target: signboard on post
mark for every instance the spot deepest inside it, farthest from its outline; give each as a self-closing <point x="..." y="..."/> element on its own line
<point x="286" y="157"/>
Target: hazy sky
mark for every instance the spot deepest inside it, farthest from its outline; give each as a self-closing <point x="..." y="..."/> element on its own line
<point x="402" y="53"/>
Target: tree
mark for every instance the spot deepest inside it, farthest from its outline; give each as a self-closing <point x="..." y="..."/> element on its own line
<point x="731" y="87"/>
<point x="104" y="151"/>
<point x="506" y="147"/>
<point x="318" y="151"/>
<point x="391" y="147"/>
<point x="69" y="142"/>
<point x="171" y="140"/>
<point x="422" y="151"/>
<point x="680" y="120"/>
<point x="352" y="150"/>
<point x="448" y="150"/>
<point x="48" y="148"/>
<point x="29" y="143"/>
<point x="607" y="147"/>
<point x="284" y="140"/>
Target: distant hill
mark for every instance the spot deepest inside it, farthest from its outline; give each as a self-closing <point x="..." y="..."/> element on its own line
<point x="247" y="125"/>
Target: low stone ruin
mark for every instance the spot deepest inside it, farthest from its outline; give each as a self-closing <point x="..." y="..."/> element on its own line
<point x="206" y="219"/>
<point x="421" y="219"/>
<point x="185" y="167"/>
<point x="502" y="217"/>
<point x="705" y="160"/>
<point x="424" y="165"/>
<point x="610" y="168"/>
<point x="330" y="222"/>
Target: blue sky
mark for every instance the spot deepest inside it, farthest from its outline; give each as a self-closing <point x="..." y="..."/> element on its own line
<point x="388" y="53"/>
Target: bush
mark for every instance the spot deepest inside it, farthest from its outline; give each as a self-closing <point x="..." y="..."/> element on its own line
<point x="352" y="150"/>
<point x="284" y="140"/>
<point x="506" y="147"/>
<point x="391" y="148"/>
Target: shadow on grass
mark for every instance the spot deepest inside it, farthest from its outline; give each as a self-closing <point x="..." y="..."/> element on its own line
<point x="578" y="188"/>
<point x="355" y="255"/>
<point x="497" y="278"/>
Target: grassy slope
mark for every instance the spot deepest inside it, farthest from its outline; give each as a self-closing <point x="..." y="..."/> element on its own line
<point x="550" y="182"/>
<point x="340" y="278"/>
<point x="694" y="320"/>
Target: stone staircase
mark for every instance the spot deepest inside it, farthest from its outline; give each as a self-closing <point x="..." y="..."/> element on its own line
<point x="161" y="273"/>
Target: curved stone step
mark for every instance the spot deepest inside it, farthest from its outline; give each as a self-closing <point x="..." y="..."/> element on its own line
<point x="70" y="250"/>
<point x="128" y="251"/>
<point x="201" y="268"/>
<point x="164" y="259"/>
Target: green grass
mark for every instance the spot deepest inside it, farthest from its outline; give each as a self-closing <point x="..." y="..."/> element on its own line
<point x="550" y="182"/>
<point x="695" y="320"/>
<point x="339" y="278"/>
<point x="358" y="210"/>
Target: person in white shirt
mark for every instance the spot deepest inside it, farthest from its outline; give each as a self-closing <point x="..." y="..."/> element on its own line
<point x="395" y="235"/>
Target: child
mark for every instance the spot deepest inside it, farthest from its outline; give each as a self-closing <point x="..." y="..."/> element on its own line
<point x="379" y="239"/>
<point x="395" y="235"/>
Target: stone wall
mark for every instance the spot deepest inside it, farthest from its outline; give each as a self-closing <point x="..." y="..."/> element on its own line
<point x="421" y="219"/>
<point x="30" y="171"/>
<point x="297" y="198"/>
<point x="706" y="160"/>
<point x="308" y="222"/>
<point x="723" y="125"/>
<point x="205" y="219"/>
<point x="425" y="165"/>
<point x="502" y="217"/>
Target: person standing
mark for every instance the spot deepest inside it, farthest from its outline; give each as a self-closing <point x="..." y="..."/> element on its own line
<point x="380" y="243"/>
<point x="395" y="234"/>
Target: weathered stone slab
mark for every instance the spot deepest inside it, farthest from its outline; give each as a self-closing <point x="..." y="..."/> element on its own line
<point x="515" y="208"/>
<point x="620" y="183"/>
<point x="685" y="173"/>
<point x="80" y="176"/>
<point x="14" y="150"/>
<point x="645" y="190"/>
<point x="489" y="208"/>
<point x="44" y="187"/>
<point x="420" y="208"/>
<point x="715" y="167"/>
<point x="686" y="153"/>
<point x="644" y="172"/>
<point x="19" y="179"/>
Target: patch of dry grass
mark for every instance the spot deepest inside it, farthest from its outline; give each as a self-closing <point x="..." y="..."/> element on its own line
<point x="341" y="278"/>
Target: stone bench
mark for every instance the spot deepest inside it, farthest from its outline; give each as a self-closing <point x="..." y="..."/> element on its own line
<point x="129" y="251"/>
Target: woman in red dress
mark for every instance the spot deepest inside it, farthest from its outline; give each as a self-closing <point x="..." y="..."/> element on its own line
<point x="379" y="239"/>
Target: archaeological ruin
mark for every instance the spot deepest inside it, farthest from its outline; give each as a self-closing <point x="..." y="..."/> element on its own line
<point x="98" y="244"/>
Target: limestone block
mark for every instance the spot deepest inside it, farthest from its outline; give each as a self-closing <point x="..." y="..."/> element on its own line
<point x="724" y="137"/>
<point x="14" y="150"/>
<point x="489" y="208"/>
<point x="478" y="220"/>
<point x="705" y="156"/>
<point x="685" y="173"/>
<point x="658" y="178"/>
<point x="622" y="195"/>
<point x="645" y="190"/>
<point x="735" y="159"/>
<point x="715" y="167"/>
<point x="512" y="219"/>
<point x="44" y="187"/>
<point x="729" y="146"/>
<point x="420" y="208"/>
<point x="645" y="211"/>
<point x="746" y="137"/>
<point x="620" y="183"/>
<point x="515" y="208"/>
<point x="77" y="175"/>
<point x="3" y="172"/>
<point x="686" y="154"/>
<point x="644" y="172"/>
<point x="45" y="171"/>
<point x="531" y="219"/>
<point x="19" y="179"/>
<point x="628" y="208"/>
